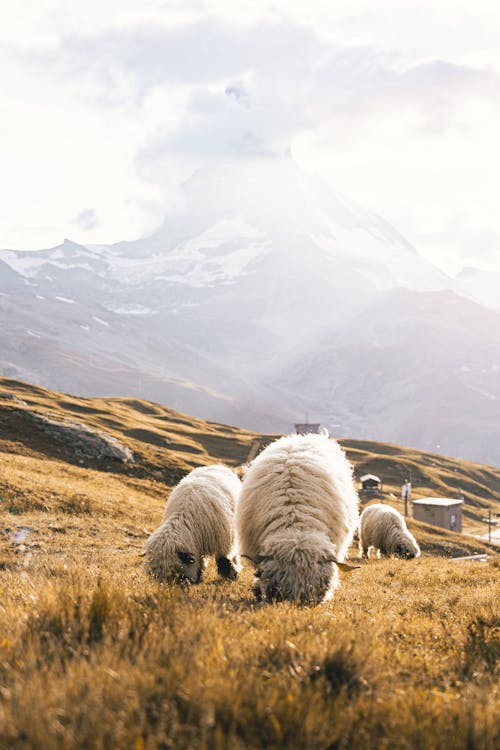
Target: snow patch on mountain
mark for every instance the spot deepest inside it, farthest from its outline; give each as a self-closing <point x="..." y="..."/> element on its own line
<point x="219" y="254"/>
<point x="68" y="256"/>
<point x="139" y="310"/>
<point x="26" y="264"/>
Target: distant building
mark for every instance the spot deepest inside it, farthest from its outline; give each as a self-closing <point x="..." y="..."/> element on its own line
<point x="307" y="428"/>
<point x="370" y="484"/>
<point x="439" y="511"/>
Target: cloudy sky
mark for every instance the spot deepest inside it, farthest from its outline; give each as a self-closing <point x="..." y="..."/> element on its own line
<point x="105" y="105"/>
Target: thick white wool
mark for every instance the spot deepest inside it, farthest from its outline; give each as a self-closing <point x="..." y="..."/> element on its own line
<point x="198" y="521"/>
<point x="298" y="510"/>
<point x="384" y="529"/>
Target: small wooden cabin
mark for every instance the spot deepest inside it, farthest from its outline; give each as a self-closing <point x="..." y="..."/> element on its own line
<point x="439" y="511"/>
<point x="370" y="484"/>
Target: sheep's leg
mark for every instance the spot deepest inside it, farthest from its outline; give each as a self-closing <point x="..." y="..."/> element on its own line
<point x="364" y="552"/>
<point x="226" y="568"/>
<point x="257" y="591"/>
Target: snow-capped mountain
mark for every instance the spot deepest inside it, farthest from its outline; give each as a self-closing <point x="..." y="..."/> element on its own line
<point x="214" y="313"/>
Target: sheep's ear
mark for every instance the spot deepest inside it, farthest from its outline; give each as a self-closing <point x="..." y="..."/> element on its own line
<point x="186" y="557"/>
<point x="343" y="566"/>
<point x="241" y="470"/>
<point x="347" y="568"/>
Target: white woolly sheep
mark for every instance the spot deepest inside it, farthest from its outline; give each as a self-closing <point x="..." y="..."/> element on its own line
<point x="296" y="516"/>
<point x="198" y="521"/>
<point x="384" y="529"/>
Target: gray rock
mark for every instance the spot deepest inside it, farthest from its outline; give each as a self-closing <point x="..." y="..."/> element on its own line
<point x="82" y="439"/>
<point x="13" y="397"/>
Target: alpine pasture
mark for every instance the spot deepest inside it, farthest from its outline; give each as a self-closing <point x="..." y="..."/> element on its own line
<point x="94" y="654"/>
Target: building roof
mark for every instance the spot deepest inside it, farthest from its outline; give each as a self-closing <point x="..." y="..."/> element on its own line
<point x="369" y="476"/>
<point x="307" y="428"/>
<point x="442" y="501"/>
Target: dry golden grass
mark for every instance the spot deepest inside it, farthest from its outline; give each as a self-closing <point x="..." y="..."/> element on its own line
<point x="92" y="654"/>
<point x="95" y="655"/>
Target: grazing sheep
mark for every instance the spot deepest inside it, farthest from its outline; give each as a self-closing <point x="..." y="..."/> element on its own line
<point x="384" y="528"/>
<point x="198" y="521"/>
<point x="295" y="519"/>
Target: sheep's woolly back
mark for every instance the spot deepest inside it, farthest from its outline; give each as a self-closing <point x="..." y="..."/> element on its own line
<point x="298" y="505"/>
<point x="385" y="529"/>
<point x="198" y="518"/>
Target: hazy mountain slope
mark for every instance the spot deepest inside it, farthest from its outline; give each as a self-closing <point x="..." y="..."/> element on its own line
<point x="480" y="285"/>
<point x="253" y="253"/>
<point x="221" y="311"/>
<point x="73" y="342"/>
<point x="420" y="368"/>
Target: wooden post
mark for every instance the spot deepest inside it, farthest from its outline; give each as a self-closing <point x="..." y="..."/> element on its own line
<point x="405" y="491"/>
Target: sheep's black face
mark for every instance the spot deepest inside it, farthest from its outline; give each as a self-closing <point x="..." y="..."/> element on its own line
<point x="278" y="582"/>
<point x="405" y="553"/>
<point x="167" y="562"/>
<point x="188" y="567"/>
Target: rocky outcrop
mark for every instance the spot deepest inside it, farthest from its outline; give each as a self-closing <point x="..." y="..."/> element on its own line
<point x="12" y="397"/>
<point x="86" y="442"/>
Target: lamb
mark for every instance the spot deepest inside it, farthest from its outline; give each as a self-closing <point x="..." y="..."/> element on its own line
<point x="296" y="516"/>
<point x="198" y="521"/>
<point x="384" y="529"/>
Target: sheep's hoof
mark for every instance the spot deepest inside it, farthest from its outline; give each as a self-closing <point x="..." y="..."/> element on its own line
<point x="226" y="569"/>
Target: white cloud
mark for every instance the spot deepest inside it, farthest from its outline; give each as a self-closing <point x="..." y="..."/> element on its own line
<point x="87" y="219"/>
<point x="432" y="184"/>
<point x="107" y="104"/>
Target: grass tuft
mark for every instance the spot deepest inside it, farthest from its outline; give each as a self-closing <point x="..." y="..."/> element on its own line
<point x="77" y="504"/>
<point x="482" y="647"/>
<point x="341" y="671"/>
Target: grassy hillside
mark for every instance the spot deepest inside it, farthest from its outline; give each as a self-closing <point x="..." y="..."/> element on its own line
<point x="94" y="655"/>
<point x="431" y="475"/>
<point x="167" y="444"/>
